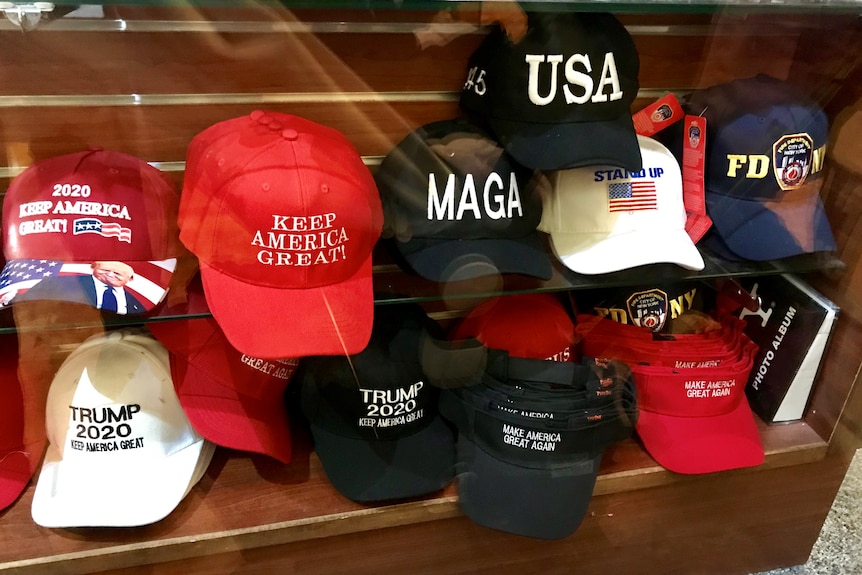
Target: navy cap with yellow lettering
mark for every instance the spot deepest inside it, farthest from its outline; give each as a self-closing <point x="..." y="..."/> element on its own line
<point x="765" y="151"/>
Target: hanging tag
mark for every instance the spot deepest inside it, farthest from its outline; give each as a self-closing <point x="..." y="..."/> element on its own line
<point x="693" y="161"/>
<point x="657" y="116"/>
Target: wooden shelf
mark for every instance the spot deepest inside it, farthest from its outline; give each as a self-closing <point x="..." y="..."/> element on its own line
<point x="247" y="501"/>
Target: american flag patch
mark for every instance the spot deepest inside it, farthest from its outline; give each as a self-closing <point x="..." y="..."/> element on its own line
<point x="149" y="284"/>
<point x="632" y="196"/>
<point x="97" y="226"/>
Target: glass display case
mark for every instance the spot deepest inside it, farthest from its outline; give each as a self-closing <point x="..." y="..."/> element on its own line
<point x="146" y="77"/>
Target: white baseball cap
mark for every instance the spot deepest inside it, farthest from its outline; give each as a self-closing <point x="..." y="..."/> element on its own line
<point x="604" y="219"/>
<point x="121" y="451"/>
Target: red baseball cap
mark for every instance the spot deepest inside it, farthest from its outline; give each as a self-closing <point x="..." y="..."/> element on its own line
<point x="283" y="215"/>
<point x="530" y="325"/>
<point x="692" y="420"/>
<point x="17" y="460"/>
<point x="77" y="226"/>
<point x="231" y="399"/>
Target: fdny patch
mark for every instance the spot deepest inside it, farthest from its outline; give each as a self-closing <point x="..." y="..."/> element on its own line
<point x="662" y="113"/>
<point x="792" y="159"/>
<point x="648" y="309"/>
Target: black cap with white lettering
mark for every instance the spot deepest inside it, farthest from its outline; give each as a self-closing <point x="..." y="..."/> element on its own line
<point x="457" y="206"/>
<point x="531" y="435"/>
<point x="561" y="96"/>
<point x="373" y="415"/>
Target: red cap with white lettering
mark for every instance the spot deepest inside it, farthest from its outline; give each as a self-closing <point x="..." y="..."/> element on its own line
<point x="691" y="420"/>
<point x="698" y="420"/>
<point x="95" y="227"/>
<point x="232" y="399"/>
<point x="283" y="215"/>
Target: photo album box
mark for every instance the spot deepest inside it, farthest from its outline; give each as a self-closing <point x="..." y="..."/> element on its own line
<point x="792" y="328"/>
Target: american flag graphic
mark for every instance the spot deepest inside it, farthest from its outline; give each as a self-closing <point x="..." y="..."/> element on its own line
<point x="96" y="226"/>
<point x="632" y="196"/>
<point x="149" y="284"/>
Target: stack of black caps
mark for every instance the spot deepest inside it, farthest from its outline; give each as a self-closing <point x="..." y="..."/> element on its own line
<point x="531" y="434"/>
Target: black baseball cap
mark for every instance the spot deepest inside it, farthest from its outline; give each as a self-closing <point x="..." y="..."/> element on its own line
<point x="561" y="96"/>
<point x="531" y="439"/>
<point x="373" y="415"/>
<point x="456" y="206"/>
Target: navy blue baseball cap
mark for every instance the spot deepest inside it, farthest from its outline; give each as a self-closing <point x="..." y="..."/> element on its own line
<point x="765" y="150"/>
<point x="561" y="96"/>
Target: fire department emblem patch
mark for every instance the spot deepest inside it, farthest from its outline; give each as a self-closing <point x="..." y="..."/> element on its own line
<point x="648" y="309"/>
<point x="792" y="157"/>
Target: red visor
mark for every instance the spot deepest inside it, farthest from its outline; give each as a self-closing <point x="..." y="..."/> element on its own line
<point x="692" y="419"/>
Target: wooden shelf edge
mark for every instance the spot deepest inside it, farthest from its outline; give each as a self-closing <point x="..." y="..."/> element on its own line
<point x="366" y="519"/>
<point x="656" y="476"/>
<point x="163" y="550"/>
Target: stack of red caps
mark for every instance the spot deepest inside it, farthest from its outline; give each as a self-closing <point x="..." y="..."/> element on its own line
<point x="694" y="415"/>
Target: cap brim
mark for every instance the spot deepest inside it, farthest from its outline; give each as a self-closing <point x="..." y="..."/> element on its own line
<point x="414" y="465"/>
<point x="693" y="445"/>
<point x="72" y="282"/>
<point x="274" y="323"/>
<point x="563" y="145"/>
<point x="227" y="417"/>
<point x="16" y="470"/>
<point x="753" y="231"/>
<point x="449" y="260"/>
<point x="74" y="494"/>
<point x="19" y="454"/>
<point x="713" y="242"/>
<point x="539" y="503"/>
<point x="588" y="253"/>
